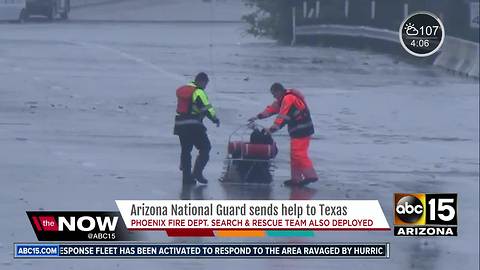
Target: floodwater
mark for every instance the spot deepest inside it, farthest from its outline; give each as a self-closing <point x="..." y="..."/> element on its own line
<point x="86" y="117"/>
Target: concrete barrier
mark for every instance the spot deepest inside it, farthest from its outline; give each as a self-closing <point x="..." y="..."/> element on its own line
<point x="459" y="55"/>
<point x="456" y="54"/>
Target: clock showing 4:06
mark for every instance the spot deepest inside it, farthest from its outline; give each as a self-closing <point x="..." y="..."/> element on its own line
<point x="422" y="34"/>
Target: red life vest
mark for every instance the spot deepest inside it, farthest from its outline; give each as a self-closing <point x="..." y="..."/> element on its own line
<point x="184" y="99"/>
<point x="301" y="124"/>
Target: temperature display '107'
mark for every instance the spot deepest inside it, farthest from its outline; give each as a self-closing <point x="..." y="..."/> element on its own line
<point x="422" y="34"/>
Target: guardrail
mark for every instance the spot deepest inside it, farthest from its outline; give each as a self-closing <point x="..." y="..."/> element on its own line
<point x="83" y="3"/>
<point x="348" y="30"/>
<point x="456" y="54"/>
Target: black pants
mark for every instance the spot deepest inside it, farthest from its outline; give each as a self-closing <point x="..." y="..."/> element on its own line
<point x="188" y="140"/>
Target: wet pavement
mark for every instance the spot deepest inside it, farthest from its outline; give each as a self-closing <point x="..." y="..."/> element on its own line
<point x="86" y="117"/>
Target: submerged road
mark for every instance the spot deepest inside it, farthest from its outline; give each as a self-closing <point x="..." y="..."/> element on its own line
<point x="86" y="117"/>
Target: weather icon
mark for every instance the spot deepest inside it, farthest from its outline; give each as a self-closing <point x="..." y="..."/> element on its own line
<point x="410" y="29"/>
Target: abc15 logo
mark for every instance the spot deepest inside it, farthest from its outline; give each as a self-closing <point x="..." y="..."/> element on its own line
<point x="425" y="209"/>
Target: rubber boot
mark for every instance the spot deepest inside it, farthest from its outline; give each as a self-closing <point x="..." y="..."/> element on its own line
<point x="200" y="164"/>
<point x="307" y="181"/>
<point x="187" y="177"/>
<point x="291" y="183"/>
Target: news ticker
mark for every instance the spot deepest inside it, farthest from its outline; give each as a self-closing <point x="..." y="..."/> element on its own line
<point x="153" y="250"/>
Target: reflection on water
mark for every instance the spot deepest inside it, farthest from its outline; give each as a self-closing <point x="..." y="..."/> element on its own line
<point x="423" y="255"/>
<point x="192" y="192"/>
<point x="240" y="191"/>
<point x="302" y="193"/>
<point x="248" y="171"/>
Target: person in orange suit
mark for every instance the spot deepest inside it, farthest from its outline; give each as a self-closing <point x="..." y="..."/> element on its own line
<point x="292" y="110"/>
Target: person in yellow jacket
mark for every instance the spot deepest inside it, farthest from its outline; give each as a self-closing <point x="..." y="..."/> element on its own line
<point x="192" y="107"/>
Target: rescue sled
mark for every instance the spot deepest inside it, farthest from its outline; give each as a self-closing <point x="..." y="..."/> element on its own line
<point x="250" y="156"/>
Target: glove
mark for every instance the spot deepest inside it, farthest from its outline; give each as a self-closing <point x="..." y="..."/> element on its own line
<point x="252" y="119"/>
<point x="270" y="130"/>
<point x="266" y="131"/>
<point x="216" y="121"/>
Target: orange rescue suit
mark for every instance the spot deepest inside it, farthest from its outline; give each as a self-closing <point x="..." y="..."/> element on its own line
<point x="293" y="111"/>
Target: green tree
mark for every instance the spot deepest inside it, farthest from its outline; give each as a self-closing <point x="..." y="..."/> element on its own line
<point x="271" y="18"/>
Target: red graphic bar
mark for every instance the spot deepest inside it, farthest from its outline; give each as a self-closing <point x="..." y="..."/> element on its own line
<point x="265" y="229"/>
<point x="48" y="223"/>
<point x="37" y="224"/>
<point x="190" y="233"/>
